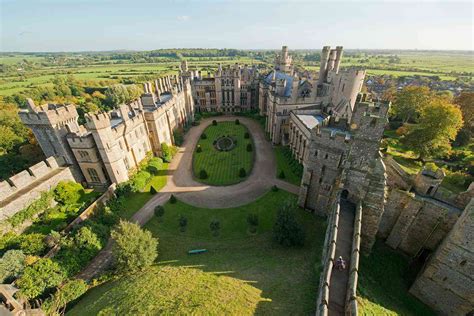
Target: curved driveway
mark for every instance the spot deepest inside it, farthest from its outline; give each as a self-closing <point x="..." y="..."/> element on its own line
<point x="180" y="182"/>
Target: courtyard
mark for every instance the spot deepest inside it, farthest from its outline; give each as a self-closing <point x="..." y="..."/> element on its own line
<point x="222" y="152"/>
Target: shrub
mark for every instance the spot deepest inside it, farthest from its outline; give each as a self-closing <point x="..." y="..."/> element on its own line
<point x="246" y="135"/>
<point x="274" y="188"/>
<point x="215" y="226"/>
<point x="199" y="148"/>
<point x="252" y="219"/>
<point x="139" y="180"/>
<point x="402" y="130"/>
<point x="159" y="211"/>
<point x="133" y="247"/>
<point x="178" y="136"/>
<point x="182" y="222"/>
<point x="86" y="239"/>
<point x="68" y="292"/>
<point x="155" y="165"/>
<point x="11" y="265"/>
<point x="249" y="147"/>
<point x="68" y="192"/>
<point x="281" y="175"/>
<point x="237" y="122"/>
<point x="203" y="174"/>
<point x="242" y="173"/>
<point x="32" y="244"/>
<point x="153" y="190"/>
<point x="287" y="231"/>
<point x="124" y="189"/>
<point x="173" y="199"/>
<point x="44" y="274"/>
<point x="166" y="152"/>
<point x="203" y="136"/>
<point x="214" y="122"/>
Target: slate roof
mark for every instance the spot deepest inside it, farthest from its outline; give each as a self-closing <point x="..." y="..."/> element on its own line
<point x="281" y="75"/>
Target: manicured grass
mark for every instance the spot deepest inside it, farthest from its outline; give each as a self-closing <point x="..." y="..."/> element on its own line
<point x="223" y="167"/>
<point x="171" y="291"/>
<point x="384" y="280"/>
<point x="285" y="279"/>
<point x="292" y="169"/>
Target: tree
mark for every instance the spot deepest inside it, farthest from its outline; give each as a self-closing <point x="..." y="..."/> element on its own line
<point x="203" y="174"/>
<point x="203" y="136"/>
<point x="410" y="102"/>
<point x="133" y="248"/>
<point x="246" y="135"/>
<point x="287" y="231"/>
<point x="252" y="220"/>
<point x="159" y="211"/>
<point x="173" y="199"/>
<point x="466" y="102"/>
<point x="11" y="265"/>
<point x="86" y="239"/>
<point x="237" y="122"/>
<point x="214" y="122"/>
<point x="134" y="92"/>
<point x="117" y="94"/>
<point x="166" y="153"/>
<point x="68" y="192"/>
<point x="215" y="226"/>
<point x="242" y="173"/>
<point x="42" y="275"/>
<point x="281" y="175"/>
<point x="439" y="123"/>
<point x="8" y="139"/>
<point x="153" y="190"/>
<point x="249" y="147"/>
<point x="183" y="222"/>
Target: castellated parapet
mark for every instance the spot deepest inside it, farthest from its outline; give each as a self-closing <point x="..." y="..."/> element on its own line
<point x="23" y="188"/>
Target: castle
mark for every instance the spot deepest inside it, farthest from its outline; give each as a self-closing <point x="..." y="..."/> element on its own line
<point x="330" y="127"/>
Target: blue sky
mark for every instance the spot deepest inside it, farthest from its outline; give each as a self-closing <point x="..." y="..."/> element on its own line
<point x="79" y="25"/>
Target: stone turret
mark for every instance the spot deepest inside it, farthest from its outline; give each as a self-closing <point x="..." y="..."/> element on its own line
<point x="324" y="64"/>
<point x="50" y="124"/>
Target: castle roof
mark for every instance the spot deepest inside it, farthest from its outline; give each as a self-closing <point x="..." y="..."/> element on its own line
<point x="310" y="120"/>
<point x="280" y="76"/>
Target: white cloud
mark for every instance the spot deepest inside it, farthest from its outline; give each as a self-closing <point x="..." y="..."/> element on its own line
<point x="183" y="17"/>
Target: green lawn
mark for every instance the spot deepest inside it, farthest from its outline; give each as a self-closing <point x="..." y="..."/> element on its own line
<point x="384" y="280"/>
<point x="291" y="168"/>
<point x="223" y="167"/>
<point x="285" y="279"/>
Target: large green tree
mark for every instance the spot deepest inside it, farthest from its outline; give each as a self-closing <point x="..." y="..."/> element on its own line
<point x="466" y="102"/>
<point x="287" y="231"/>
<point x="133" y="248"/>
<point x="11" y="265"/>
<point x="410" y="102"/>
<point x="117" y="94"/>
<point x="438" y="125"/>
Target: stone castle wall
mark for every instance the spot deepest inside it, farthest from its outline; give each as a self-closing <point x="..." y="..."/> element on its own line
<point x="446" y="283"/>
<point x="23" y="188"/>
<point x="412" y="222"/>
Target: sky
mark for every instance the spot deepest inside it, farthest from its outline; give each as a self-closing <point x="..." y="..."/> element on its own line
<point x="95" y="25"/>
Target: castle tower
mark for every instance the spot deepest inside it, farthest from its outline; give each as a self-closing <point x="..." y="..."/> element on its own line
<point x="324" y="64"/>
<point x="337" y="64"/>
<point x="283" y="62"/>
<point x="50" y="124"/>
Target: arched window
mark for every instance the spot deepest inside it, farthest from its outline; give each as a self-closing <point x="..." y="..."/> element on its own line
<point x="305" y="93"/>
<point x="93" y="174"/>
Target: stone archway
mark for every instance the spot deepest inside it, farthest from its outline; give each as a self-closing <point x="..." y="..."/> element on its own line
<point x="344" y="194"/>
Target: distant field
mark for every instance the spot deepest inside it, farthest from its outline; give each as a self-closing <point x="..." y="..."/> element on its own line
<point x="39" y="70"/>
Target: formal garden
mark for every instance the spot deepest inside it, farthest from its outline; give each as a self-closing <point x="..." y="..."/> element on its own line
<point x="224" y="154"/>
<point x="243" y="268"/>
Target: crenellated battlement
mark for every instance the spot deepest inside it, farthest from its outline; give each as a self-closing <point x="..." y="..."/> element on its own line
<point x="48" y="114"/>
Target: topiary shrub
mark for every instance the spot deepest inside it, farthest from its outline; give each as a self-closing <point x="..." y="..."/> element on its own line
<point x="237" y="122"/>
<point x="173" y="199"/>
<point x="252" y="220"/>
<point x="153" y="190"/>
<point x="199" y="149"/>
<point x="242" y="173"/>
<point x="214" y="122"/>
<point x="203" y="136"/>
<point x="159" y="211"/>
<point x="215" y="226"/>
<point x="281" y="175"/>
<point x="287" y="231"/>
<point x="182" y="222"/>
<point x="124" y="189"/>
<point x="274" y="188"/>
<point x="247" y="135"/>
<point x="249" y="147"/>
<point x="155" y="165"/>
<point x="203" y="174"/>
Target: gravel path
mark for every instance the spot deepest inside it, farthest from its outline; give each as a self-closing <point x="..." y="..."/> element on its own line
<point x="181" y="183"/>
